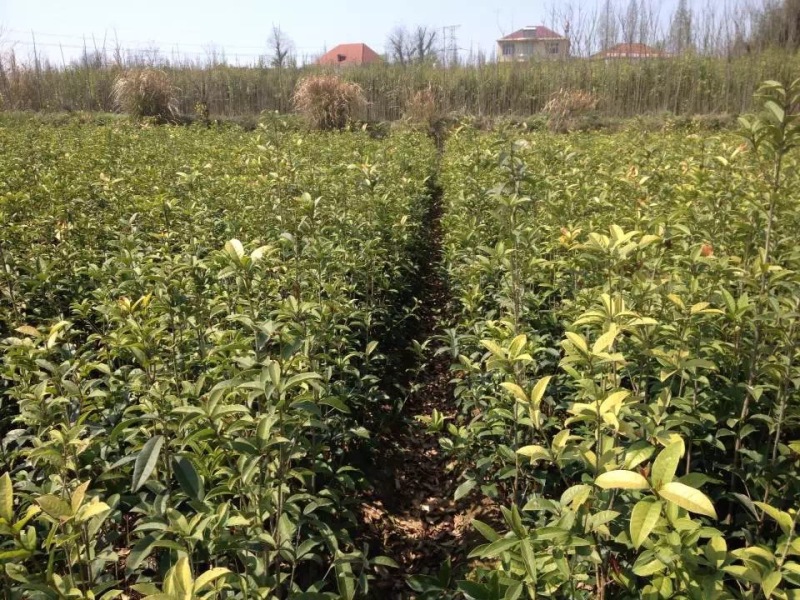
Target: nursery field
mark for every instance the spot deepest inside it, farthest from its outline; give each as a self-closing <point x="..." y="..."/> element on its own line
<point x="286" y="364"/>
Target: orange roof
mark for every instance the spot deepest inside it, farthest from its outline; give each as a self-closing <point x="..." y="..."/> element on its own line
<point x="631" y="51"/>
<point x="349" y="54"/>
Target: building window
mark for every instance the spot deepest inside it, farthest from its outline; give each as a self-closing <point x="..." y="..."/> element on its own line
<point x="553" y="48"/>
<point x="508" y="49"/>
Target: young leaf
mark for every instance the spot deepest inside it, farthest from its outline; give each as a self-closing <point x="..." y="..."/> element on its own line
<point x="209" y="576"/>
<point x="624" y="480"/>
<point x="666" y="463"/>
<point x="234" y="249"/>
<point x="54" y="506"/>
<point x="537" y="393"/>
<point x="689" y="498"/>
<point x="146" y="461"/>
<point x="644" y="518"/>
<point x="6" y="498"/>
<point x="783" y="519"/>
<point x="515" y="391"/>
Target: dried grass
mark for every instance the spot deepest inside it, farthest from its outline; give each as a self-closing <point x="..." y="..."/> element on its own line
<point x="328" y="102"/>
<point x="422" y="108"/>
<point x="145" y="93"/>
<point x="566" y="105"/>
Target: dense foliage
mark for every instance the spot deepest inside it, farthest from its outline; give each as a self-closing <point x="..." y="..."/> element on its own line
<point x="200" y="330"/>
<point x="193" y="325"/>
<point x="626" y="359"/>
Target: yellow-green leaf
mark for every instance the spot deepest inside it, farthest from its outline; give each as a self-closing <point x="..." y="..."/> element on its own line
<point x="770" y="582"/>
<point x="644" y="517"/>
<point x="605" y="341"/>
<point x="666" y="463"/>
<point x="534" y="452"/>
<point x="782" y="518"/>
<point x="494" y="348"/>
<point x="716" y="551"/>
<point x="578" y="341"/>
<point x="91" y="510"/>
<point x="28" y="330"/>
<point x="537" y="393"/>
<point x="54" y="506"/>
<point x="6" y="498"/>
<point x="614" y="401"/>
<point x="209" y="576"/>
<point x="234" y="249"/>
<point x="515" y="391"/>
<point x="619" y="479"/>
<point x="676" y="301"/>
<point x="689" y="498"/>
<point x="78" y="495"/>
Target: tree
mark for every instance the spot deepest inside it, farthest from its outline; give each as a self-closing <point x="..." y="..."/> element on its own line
<point x="405" y="47"/>
<point x="630" y="23"/>
<point x="778" y="24"/>
<point x="281" y="46"/>
<point x="607" y="25"/>
<point x="424" y="44"/>
<point x="399" y="48"/>
<point x="680" y="36"/>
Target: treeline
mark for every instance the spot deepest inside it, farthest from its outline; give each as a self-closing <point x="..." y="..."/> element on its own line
<point x="684" y="85"/>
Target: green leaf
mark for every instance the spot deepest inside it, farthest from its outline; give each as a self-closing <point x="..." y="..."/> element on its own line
<point x="464" y="489"/>
<point x="666" y="464"/>
<point x="776" y="111"/>
<point x="384" y="561"/>
<point x="783" y="519"/>
<point x="644" y="517"/>
<point x="188" y="478"/>
<point x="689" y="498"/>
<point x="485" y="530"/>
<point x="345" y="580"/>
<point x="146" y="461"/>
<point x="625" y="480"/>
<point x="6" y="498"/>
<point x="54" y="506"/>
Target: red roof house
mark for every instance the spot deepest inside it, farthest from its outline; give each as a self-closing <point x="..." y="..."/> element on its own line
<point x="532" y="42"/>
<point x="630" y="51"/>
<point x="349" y="54"/>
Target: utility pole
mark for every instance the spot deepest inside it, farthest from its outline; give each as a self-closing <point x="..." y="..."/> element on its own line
<point x="449" y="44"/>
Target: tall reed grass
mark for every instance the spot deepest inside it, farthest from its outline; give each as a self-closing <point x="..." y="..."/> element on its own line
<point x="682" y="85"/>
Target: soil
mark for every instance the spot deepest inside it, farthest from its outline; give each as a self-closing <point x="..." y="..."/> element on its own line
<point x="409" y="513"/>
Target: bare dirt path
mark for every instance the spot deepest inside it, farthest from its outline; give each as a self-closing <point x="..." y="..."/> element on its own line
<point x="409" y="513"/>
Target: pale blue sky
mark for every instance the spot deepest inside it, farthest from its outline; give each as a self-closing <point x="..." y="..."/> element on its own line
<point x="242" y="26"/>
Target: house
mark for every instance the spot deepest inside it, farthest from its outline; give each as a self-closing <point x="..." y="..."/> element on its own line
<point x="349" y="54"/>
<point x="630" y="51"/>
<point x="532" y="42"/>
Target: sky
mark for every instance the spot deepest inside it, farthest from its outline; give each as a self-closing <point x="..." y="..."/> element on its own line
<point x="191" y="27"/>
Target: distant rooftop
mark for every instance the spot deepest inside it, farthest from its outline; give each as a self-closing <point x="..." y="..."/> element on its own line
<point x="533" y="32"/>
<point x="631" y="51"/>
